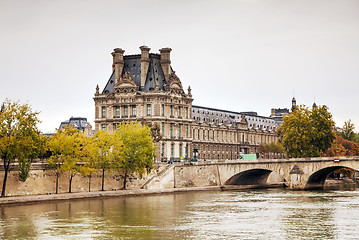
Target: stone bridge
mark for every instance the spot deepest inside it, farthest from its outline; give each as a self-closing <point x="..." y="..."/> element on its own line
<point x="299" y="173"/>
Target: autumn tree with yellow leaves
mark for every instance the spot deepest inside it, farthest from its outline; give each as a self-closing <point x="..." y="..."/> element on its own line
<point x="135" y="151"/>
<point x="307" y="132"/>
<point x="19" y="138"/>
<point x="72" y="152"/>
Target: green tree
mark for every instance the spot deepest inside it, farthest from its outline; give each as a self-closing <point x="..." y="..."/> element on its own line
<point x="105" y="147"/>
<point x="19" y="136"/>
<point x="264" y="148"/>
<point x="271" y="148"/>
<point x="137" y="152"/>
<point x="87" y="164"/>
<point x="307" y="133"/>
<point x="39" y="144"/>
<point x="70" y="150"/>
<point x="348" y="131"/>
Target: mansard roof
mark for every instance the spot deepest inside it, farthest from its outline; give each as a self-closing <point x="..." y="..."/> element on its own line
<point x="228" y="118"/>
<point x="132" y="64"/>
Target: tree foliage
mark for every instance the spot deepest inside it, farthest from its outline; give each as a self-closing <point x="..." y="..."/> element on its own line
<point x="71" y="152"/>
<point x="348" y="131"/>
<point x="136" y="152"/>
<point x="272" y="148"/>
<point x="105" y="149"/>
<point x="342" y="147"/>
<point x="25" y="163"/>
<point x="19" y="137"/>
<point x="307" y="133"/>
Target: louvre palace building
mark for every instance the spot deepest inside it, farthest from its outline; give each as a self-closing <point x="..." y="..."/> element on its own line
<point x="145" y="87"/>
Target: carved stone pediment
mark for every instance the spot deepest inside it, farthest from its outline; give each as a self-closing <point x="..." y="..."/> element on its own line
<point x="126" y="84"/>
<point x="174" y="84"/>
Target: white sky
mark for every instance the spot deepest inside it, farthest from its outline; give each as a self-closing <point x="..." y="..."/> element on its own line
<point x="240" y="55"/>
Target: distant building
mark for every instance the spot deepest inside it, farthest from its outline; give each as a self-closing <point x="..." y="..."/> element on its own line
<point x="77" y="122"/>
<point x="278" y="113"/>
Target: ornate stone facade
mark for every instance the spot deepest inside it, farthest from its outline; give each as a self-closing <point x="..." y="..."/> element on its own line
<point x="145" y="87"/>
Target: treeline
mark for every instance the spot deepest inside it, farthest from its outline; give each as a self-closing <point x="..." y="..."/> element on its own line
<point x="346" y="142"/>
<point x="271" y="150"/>
<point x="311" y="133"/>
<point x="128" y="150"/>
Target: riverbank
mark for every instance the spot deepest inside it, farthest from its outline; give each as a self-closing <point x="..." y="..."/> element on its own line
<point x="103" y="194"/>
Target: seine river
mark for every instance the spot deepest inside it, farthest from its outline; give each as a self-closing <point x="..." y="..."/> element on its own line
<point x="250" y="214"/>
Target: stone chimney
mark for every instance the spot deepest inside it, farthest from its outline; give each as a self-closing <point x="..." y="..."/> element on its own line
<point x="272" y="112"/>
<point x="145" y="62"/>
<point x="166" y="61"/>
<point x="118" y="63"/>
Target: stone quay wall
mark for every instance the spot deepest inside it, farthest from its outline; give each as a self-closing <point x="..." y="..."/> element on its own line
<point x="42" y="180"/>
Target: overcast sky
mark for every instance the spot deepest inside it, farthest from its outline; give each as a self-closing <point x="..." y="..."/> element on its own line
<point x="240" y="55"/>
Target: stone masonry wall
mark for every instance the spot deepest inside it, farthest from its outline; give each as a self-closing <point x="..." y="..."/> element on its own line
<point x="43" y="181"/>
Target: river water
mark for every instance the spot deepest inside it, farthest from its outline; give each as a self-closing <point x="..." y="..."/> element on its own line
<point x="247" y="214"/>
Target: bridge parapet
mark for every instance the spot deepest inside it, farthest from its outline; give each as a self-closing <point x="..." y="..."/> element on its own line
<point x="298" y="173"/>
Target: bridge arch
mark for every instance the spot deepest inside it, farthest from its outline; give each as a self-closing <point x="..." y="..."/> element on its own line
<point x="318" y="178"/>
<point x="256" y="177"/>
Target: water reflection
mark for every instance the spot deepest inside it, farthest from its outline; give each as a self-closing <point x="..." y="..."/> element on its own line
<point x="247" y="214"/>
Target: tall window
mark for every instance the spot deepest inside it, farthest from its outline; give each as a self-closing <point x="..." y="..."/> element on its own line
<point x="180" y="150"/>
<point x="186" y="151"/>
<point x="163" y="149"/>
<point x="148" y="109"/>
<point x="171" y="126"/>
<point x="163" y="128"/>
<point x="117" y="111"/>
<point x="179" y="111"/>
<point x="125" y="111"/>
<point x="172" y="150"/>
<point x="171" y="111"/>
<point x="103" y="111"/>
<point x="179" y="130"/>
<point x="163" y="110"/>
<point x="134" y="111"/>
<point x="103" y="127"/>
<point x="187" y="130"/>
<point x="186" y="112"/>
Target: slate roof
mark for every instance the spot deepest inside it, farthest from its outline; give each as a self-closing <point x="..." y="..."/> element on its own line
<point x="223" y="116"/>
<point x="79" y="122"/>
<point x="132" y="64"/>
